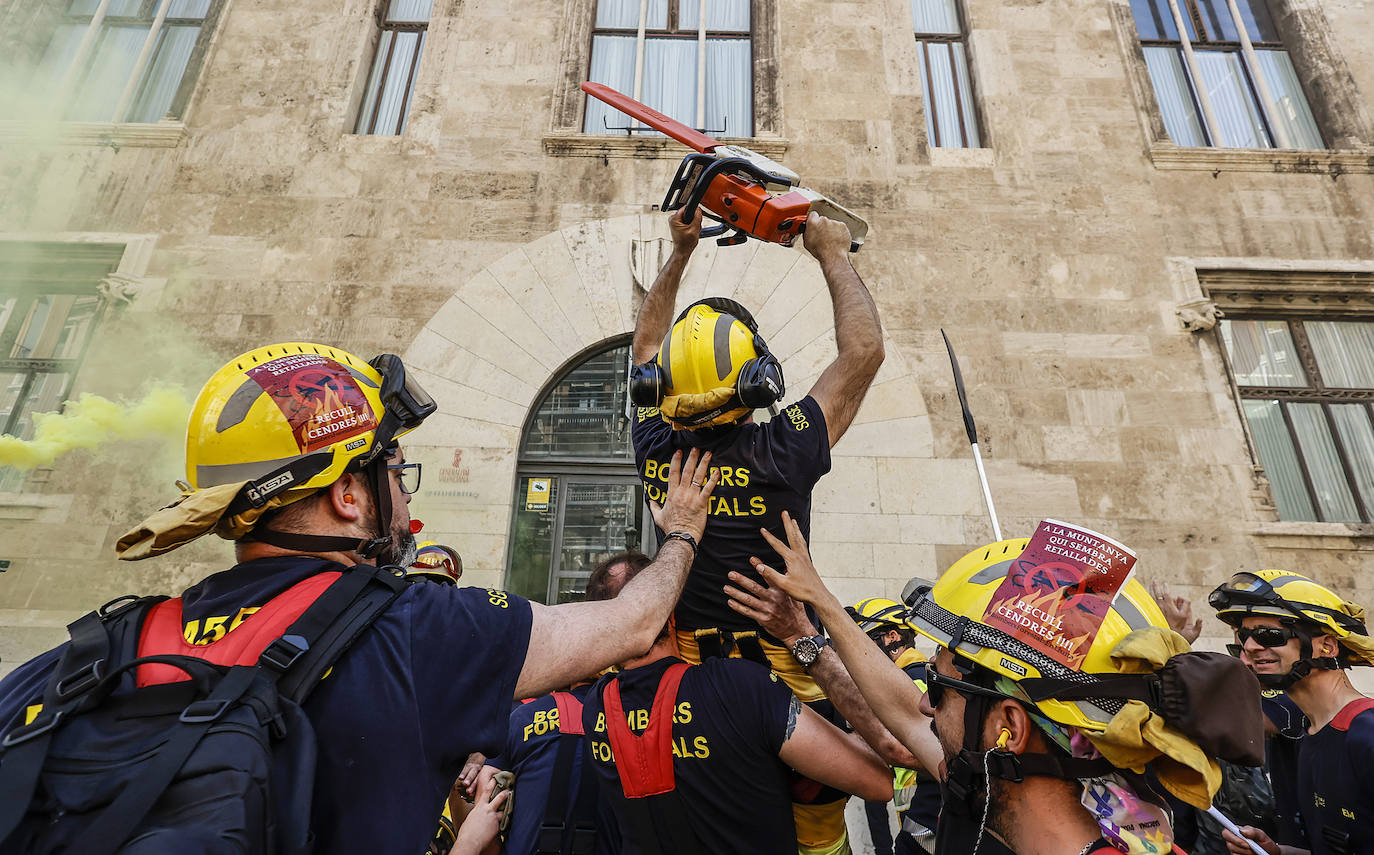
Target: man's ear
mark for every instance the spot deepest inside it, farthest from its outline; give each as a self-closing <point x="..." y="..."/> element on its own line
<point x="1325" y="645"/>
<point x="891" y="636"/>
<point x="347" y="498"/>
<point x="1011" y="717"/>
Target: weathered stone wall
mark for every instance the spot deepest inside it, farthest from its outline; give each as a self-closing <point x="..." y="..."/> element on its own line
<point x="1055" y="258"/>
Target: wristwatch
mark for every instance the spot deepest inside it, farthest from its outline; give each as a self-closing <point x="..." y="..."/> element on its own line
<point x="807" y="650"/>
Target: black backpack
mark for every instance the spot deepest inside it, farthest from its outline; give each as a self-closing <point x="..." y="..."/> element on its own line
<point x="221" y="763"/>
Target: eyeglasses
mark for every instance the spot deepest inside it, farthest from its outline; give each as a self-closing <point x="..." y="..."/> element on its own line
<point x="1266" y="636"/>
<point x="410" y="476"/>
<point x="936" y="683"/>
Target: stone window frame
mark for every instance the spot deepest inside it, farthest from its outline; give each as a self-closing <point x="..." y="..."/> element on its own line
<point x="1273" y="288"/>
<point x="961" y="38"/>
<point x="565" y="137"/>
<point x="130" y="256"/>
<point x="383" y="24"/>
<point x="1332" y="95"/>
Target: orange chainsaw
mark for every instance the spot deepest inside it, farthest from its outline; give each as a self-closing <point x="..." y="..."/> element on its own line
<point x="746" y="193"/>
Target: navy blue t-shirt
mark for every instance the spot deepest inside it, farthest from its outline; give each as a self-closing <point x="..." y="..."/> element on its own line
<point x="531" y="752"/>
<point x="1336" y="783"/>
<point x="729" y="723"/>
<point x="765" y="469"/>
<point x="429" y="682"/>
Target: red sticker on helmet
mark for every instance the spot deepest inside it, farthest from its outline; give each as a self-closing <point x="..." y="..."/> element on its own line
<point x="320" y="399"/>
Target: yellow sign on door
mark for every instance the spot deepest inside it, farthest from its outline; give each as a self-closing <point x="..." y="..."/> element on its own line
<point x="537" y="494"/>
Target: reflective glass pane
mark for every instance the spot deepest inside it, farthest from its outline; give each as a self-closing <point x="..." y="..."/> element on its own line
<point x="159" y="86"/>
<point x="1275" y="448"/>
<point x="112" y="63"/>
<point x="45" y="395"/>
<point x="940" y="95"/>
<point x="613" y="63"/>
<point x="1221" y="26"/>
<point x="11" y="384"/>
<point x="583" y="415"/>
<point x="959" y="57"/>
<point x="599" y="520"/>
<point x="391" y="101"/>
<point x="1357" y="435"/>
<point x="1345" y="352"/>
<point x="729" y="87"/>
<point x="670" y="78"/>
<point x="189" y="9"/>
<point x="617" y="14"/>
<point x="58" y="327"/>
<point x="936" y="17"/>
<point x="1290" y="104"/>
<point x="409" y="11"/>
<point x="1262" y="353"/>
<point x="1323" y="463"/>
<point x="1154" y="20"/>
<point x="1228" y="88"/>
<point x="532" y="532"/>
<point x="731" y="16"/>
<point x="1175" y="96"/>
<point x="374" y="82"/>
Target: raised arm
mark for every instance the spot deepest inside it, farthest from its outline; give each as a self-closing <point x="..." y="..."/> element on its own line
<point x="888" y="690"/>
<point x="824" y="753"/>
<point x="858" y="332"/>
<point x="786" y="620"/>
<point x="656" y="313"/>
<point x="575" y="640"/>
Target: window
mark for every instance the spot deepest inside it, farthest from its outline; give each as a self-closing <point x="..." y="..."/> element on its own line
<point x="942" y="58"/>
<point x="696" y="69"/>
<point x="390" y="84"/>
<point x="577" y="499"/>
<point x="126" y="60"/>
<point x="1226" y="81"/>
<point x="1307" y="390"/>
<point x="49" y="308"/>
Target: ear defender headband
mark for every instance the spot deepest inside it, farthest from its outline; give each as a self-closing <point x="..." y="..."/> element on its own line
<point x="759" y="383"/>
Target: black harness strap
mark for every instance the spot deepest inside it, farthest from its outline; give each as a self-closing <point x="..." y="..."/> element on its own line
<point x="550" y="840"/>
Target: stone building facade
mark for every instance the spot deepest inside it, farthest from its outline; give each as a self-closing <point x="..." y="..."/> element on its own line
<point x="1077" y="258"/>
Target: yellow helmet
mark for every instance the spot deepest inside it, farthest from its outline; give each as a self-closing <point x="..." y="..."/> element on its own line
<point x="877" y="613"/>
<point x="291" y="418"/>
<point x="712" y="369"/>
<point x="437" y="562"/>
<point x="1294" y="597"/>
<point x="950" y="615"/>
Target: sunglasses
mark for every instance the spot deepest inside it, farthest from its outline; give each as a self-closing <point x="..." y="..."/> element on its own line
<point x="936" y="683"/>
<point x="1265" y="636"/>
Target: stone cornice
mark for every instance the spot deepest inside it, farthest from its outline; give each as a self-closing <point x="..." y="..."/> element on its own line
<point x="1218" y="160"/>
<point x="654" y="148"/>
<point x="165" y="134"/>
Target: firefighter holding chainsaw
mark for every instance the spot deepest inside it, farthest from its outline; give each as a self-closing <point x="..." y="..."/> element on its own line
<point x="354" y="697"/>
<point x="698" y="378"/>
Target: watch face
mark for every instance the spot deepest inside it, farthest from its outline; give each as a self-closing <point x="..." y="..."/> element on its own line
<point x="806" y="651"/>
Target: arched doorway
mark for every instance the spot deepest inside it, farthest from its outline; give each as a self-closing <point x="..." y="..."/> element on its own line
<point x="577" y="500"/>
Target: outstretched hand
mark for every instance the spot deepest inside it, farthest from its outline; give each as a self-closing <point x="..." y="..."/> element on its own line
<point x="771" y="608"/>
<point x="1178" y="612"/>
<point x="801" y="581"/>
<point x="690" y="484"/>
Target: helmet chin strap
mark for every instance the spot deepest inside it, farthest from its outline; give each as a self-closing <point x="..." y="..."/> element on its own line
<point x="1305" y="665"/>
<point x="365" y="548"/>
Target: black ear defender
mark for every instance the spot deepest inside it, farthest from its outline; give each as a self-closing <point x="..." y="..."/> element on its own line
<point x="646" y="384"/>
<point x="759" y="383"/>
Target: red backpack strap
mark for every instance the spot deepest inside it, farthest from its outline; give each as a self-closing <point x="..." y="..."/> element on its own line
<point x="569" y="714"/>
<point x="644" y="762"/>
<point x="162" y="631"/>
<point x="1346" y="716"/>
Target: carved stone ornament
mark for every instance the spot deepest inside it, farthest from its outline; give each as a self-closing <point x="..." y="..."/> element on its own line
<point x="119" y="290"/>
<point x="1199" y="315"/>
<point x="647" y="257"/>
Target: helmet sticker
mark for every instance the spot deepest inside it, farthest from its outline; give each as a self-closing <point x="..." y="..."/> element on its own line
<point x="1057" y="593"/>
<point x="319" y="397"/>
